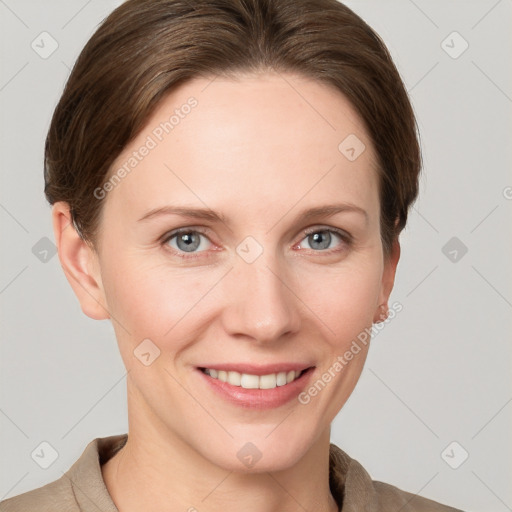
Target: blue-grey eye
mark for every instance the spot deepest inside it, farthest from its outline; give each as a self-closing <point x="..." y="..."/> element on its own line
<point x="186" y="241"/>
<point x="321" y="239"/>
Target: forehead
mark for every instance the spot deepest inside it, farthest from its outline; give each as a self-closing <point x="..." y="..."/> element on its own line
<point x="267" y="137"/>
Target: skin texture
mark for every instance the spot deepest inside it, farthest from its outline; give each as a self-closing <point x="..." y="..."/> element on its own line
<point x="260" y="152"/>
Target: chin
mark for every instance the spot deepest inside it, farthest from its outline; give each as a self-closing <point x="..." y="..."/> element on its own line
<point x="261" y="449"/>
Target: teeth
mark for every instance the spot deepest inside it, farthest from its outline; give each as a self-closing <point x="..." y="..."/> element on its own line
<point x="281" y="379"/>
<point x="268" y="381"/>
<point x="234" y="378"/>
<point x="247" y="381"/>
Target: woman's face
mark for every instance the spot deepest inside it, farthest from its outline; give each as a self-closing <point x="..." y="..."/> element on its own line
<point x="254" y="284"/>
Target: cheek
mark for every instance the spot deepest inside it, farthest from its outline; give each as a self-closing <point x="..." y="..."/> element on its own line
<point x="344" y="299"/>
<point x="153" y="300"/>
<point x="345" y="302"/>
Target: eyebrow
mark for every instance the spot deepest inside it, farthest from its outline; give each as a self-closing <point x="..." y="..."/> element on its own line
<point x="213" y="216"/>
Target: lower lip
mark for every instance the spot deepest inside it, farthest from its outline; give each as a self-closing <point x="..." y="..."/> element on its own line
<point x="258" y="398"/>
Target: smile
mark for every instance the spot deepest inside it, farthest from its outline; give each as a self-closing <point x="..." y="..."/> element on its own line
<point x="248" y="381"/>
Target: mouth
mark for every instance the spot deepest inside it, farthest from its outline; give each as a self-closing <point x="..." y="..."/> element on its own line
<point x="257" y="387"/>
<point x="251" y="381"/>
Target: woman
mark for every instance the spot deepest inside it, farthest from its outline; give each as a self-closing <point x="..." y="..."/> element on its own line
<point x="229" y="179"/>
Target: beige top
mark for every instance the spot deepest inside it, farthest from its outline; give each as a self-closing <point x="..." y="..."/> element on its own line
<point x="82" y="488"/>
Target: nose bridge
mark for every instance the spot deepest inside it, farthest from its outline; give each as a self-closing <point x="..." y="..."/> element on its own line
<point x="262" y="306"/>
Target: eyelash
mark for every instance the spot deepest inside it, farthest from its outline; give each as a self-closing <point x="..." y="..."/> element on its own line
<point x="345" y="237"/>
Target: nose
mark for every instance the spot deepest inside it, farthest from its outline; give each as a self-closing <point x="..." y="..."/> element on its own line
<point x="262" y="305"/>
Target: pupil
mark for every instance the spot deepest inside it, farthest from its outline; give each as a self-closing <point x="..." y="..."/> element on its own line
<point x="322" y="239"/>
<point x="191" y="242"/>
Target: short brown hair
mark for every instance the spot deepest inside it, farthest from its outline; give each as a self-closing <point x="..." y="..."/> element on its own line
<point x="145" y="48"/>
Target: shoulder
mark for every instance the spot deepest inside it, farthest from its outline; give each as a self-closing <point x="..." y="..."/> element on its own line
<point x="391" y="496"/>
<point x="79" y="489"/>
<point x="356" y="490"/>
<point x="43" y="499"/>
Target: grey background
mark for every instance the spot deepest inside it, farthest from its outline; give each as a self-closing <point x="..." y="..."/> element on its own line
<point x="438" y="373"/>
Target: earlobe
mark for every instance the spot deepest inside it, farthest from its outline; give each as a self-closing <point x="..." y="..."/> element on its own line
<point x="80" y="264"/>
<point x="388" y="281"/>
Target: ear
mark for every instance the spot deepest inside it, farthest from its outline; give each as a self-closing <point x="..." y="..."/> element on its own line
<point x="388" y="281"/>
<point x="80" y="263"/>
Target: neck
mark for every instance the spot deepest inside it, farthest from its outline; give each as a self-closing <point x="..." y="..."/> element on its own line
<point x="158" y="471"/>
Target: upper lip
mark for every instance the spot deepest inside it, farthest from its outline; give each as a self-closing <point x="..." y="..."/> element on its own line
<point x="253" y="369"/>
